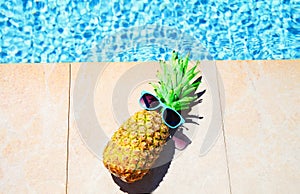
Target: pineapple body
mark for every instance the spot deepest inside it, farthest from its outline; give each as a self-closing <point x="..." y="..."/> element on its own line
<point x="135" y="146"/>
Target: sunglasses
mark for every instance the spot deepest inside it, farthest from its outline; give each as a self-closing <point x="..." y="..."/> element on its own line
<point x="170" y="116"/>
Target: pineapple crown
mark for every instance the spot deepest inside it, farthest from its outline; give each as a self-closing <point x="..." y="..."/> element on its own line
<point x="175" y="87"/>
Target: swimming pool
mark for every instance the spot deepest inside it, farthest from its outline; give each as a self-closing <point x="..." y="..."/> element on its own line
<point x="76" y="30"/>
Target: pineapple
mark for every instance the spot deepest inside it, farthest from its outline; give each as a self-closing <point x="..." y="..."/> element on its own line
<point x="136" y="145"/>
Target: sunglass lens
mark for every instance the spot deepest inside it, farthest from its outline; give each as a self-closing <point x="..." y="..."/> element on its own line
<point x="149" y="101"/>
<point x="171" y="117"/>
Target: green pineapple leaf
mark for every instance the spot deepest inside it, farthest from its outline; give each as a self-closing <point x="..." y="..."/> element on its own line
<point x="176" y="87"/>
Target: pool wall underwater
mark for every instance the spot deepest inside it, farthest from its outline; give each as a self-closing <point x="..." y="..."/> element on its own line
<point x="35" y="31"/>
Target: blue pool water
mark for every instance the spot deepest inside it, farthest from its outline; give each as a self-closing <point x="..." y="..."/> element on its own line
<point x="101" y="30"/>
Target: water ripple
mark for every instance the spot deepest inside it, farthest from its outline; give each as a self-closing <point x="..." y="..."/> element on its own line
<point x="69" y="30"/>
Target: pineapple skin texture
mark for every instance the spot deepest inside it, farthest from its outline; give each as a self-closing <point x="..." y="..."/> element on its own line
<point x="135" y="146"/>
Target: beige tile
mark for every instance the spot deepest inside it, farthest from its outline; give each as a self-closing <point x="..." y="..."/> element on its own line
<point x="188" y="172"/>
<point x="86" y="172"/>
<point x="261" y="124"/>
<point x="33" y="128"/>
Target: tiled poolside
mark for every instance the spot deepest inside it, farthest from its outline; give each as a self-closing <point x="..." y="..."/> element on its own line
<point x="257" y="150"/>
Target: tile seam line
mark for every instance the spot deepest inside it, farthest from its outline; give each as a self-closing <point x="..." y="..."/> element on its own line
<point x="223" y="129"/>
<point x="68" y="130"/>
